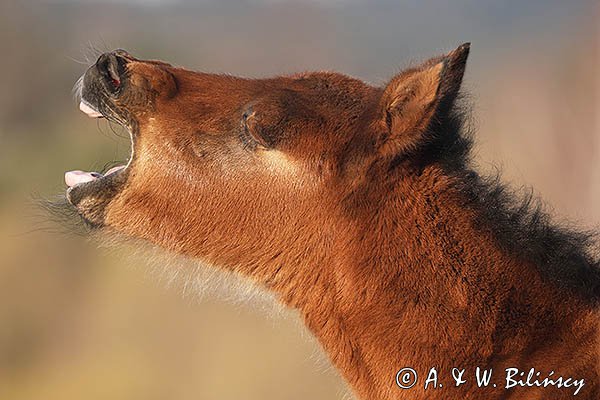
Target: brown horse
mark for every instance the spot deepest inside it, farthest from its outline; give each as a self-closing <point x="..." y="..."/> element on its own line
<point x="355" y="205"/>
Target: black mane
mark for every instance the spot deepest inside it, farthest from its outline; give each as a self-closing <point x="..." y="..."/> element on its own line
<point x="567" y="255"/>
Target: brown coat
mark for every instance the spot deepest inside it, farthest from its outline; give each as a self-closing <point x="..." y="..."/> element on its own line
<point x="355" y="205"/>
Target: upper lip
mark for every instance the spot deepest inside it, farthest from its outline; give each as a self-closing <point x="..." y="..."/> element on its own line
<point x="89" y="110"/>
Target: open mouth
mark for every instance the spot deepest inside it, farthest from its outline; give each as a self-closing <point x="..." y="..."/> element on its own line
<point x="99" y="89"/>
<point x="78" y="177"/>
<point x="92" y="192"/>
<point x="102" y="81"/>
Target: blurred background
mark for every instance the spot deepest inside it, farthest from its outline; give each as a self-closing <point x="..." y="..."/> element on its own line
<point x="80" y="323"/>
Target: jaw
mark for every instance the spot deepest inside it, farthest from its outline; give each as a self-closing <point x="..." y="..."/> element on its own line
<point x="91" y="199"/>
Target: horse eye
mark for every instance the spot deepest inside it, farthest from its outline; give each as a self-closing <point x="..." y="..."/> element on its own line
<point x="251" y="134"/>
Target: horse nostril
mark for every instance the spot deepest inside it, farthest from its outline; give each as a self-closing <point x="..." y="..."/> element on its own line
<point x="111" y="69"/>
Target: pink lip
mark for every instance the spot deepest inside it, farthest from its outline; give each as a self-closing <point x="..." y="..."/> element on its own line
<point x="76" y="177"/>
<point x="73" y="178"/>
<point x="89" y="110"/>
<point x="114" y="169"/>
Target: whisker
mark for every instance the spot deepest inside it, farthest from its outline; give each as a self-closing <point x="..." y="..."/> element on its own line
<point x="106" y="48"/>
<point x="110" y="164"/>
<point x="91" y="53"/>
<point x="78" y="88"/>
<point x="58" y="216"/>
<point x="119" y="134"/>
<point x="99" y="126"/>
<point x="82" y="62"/>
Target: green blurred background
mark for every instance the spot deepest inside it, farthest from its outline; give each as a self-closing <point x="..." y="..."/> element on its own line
<point x="81" y="323"/>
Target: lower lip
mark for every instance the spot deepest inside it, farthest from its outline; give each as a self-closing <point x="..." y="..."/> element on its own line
<point x="73" y="178"/>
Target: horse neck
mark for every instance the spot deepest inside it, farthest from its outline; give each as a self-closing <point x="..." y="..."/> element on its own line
<point x="418" y="283"/>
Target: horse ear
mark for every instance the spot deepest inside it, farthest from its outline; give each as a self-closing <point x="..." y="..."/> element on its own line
<point x="415" y="98"/>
